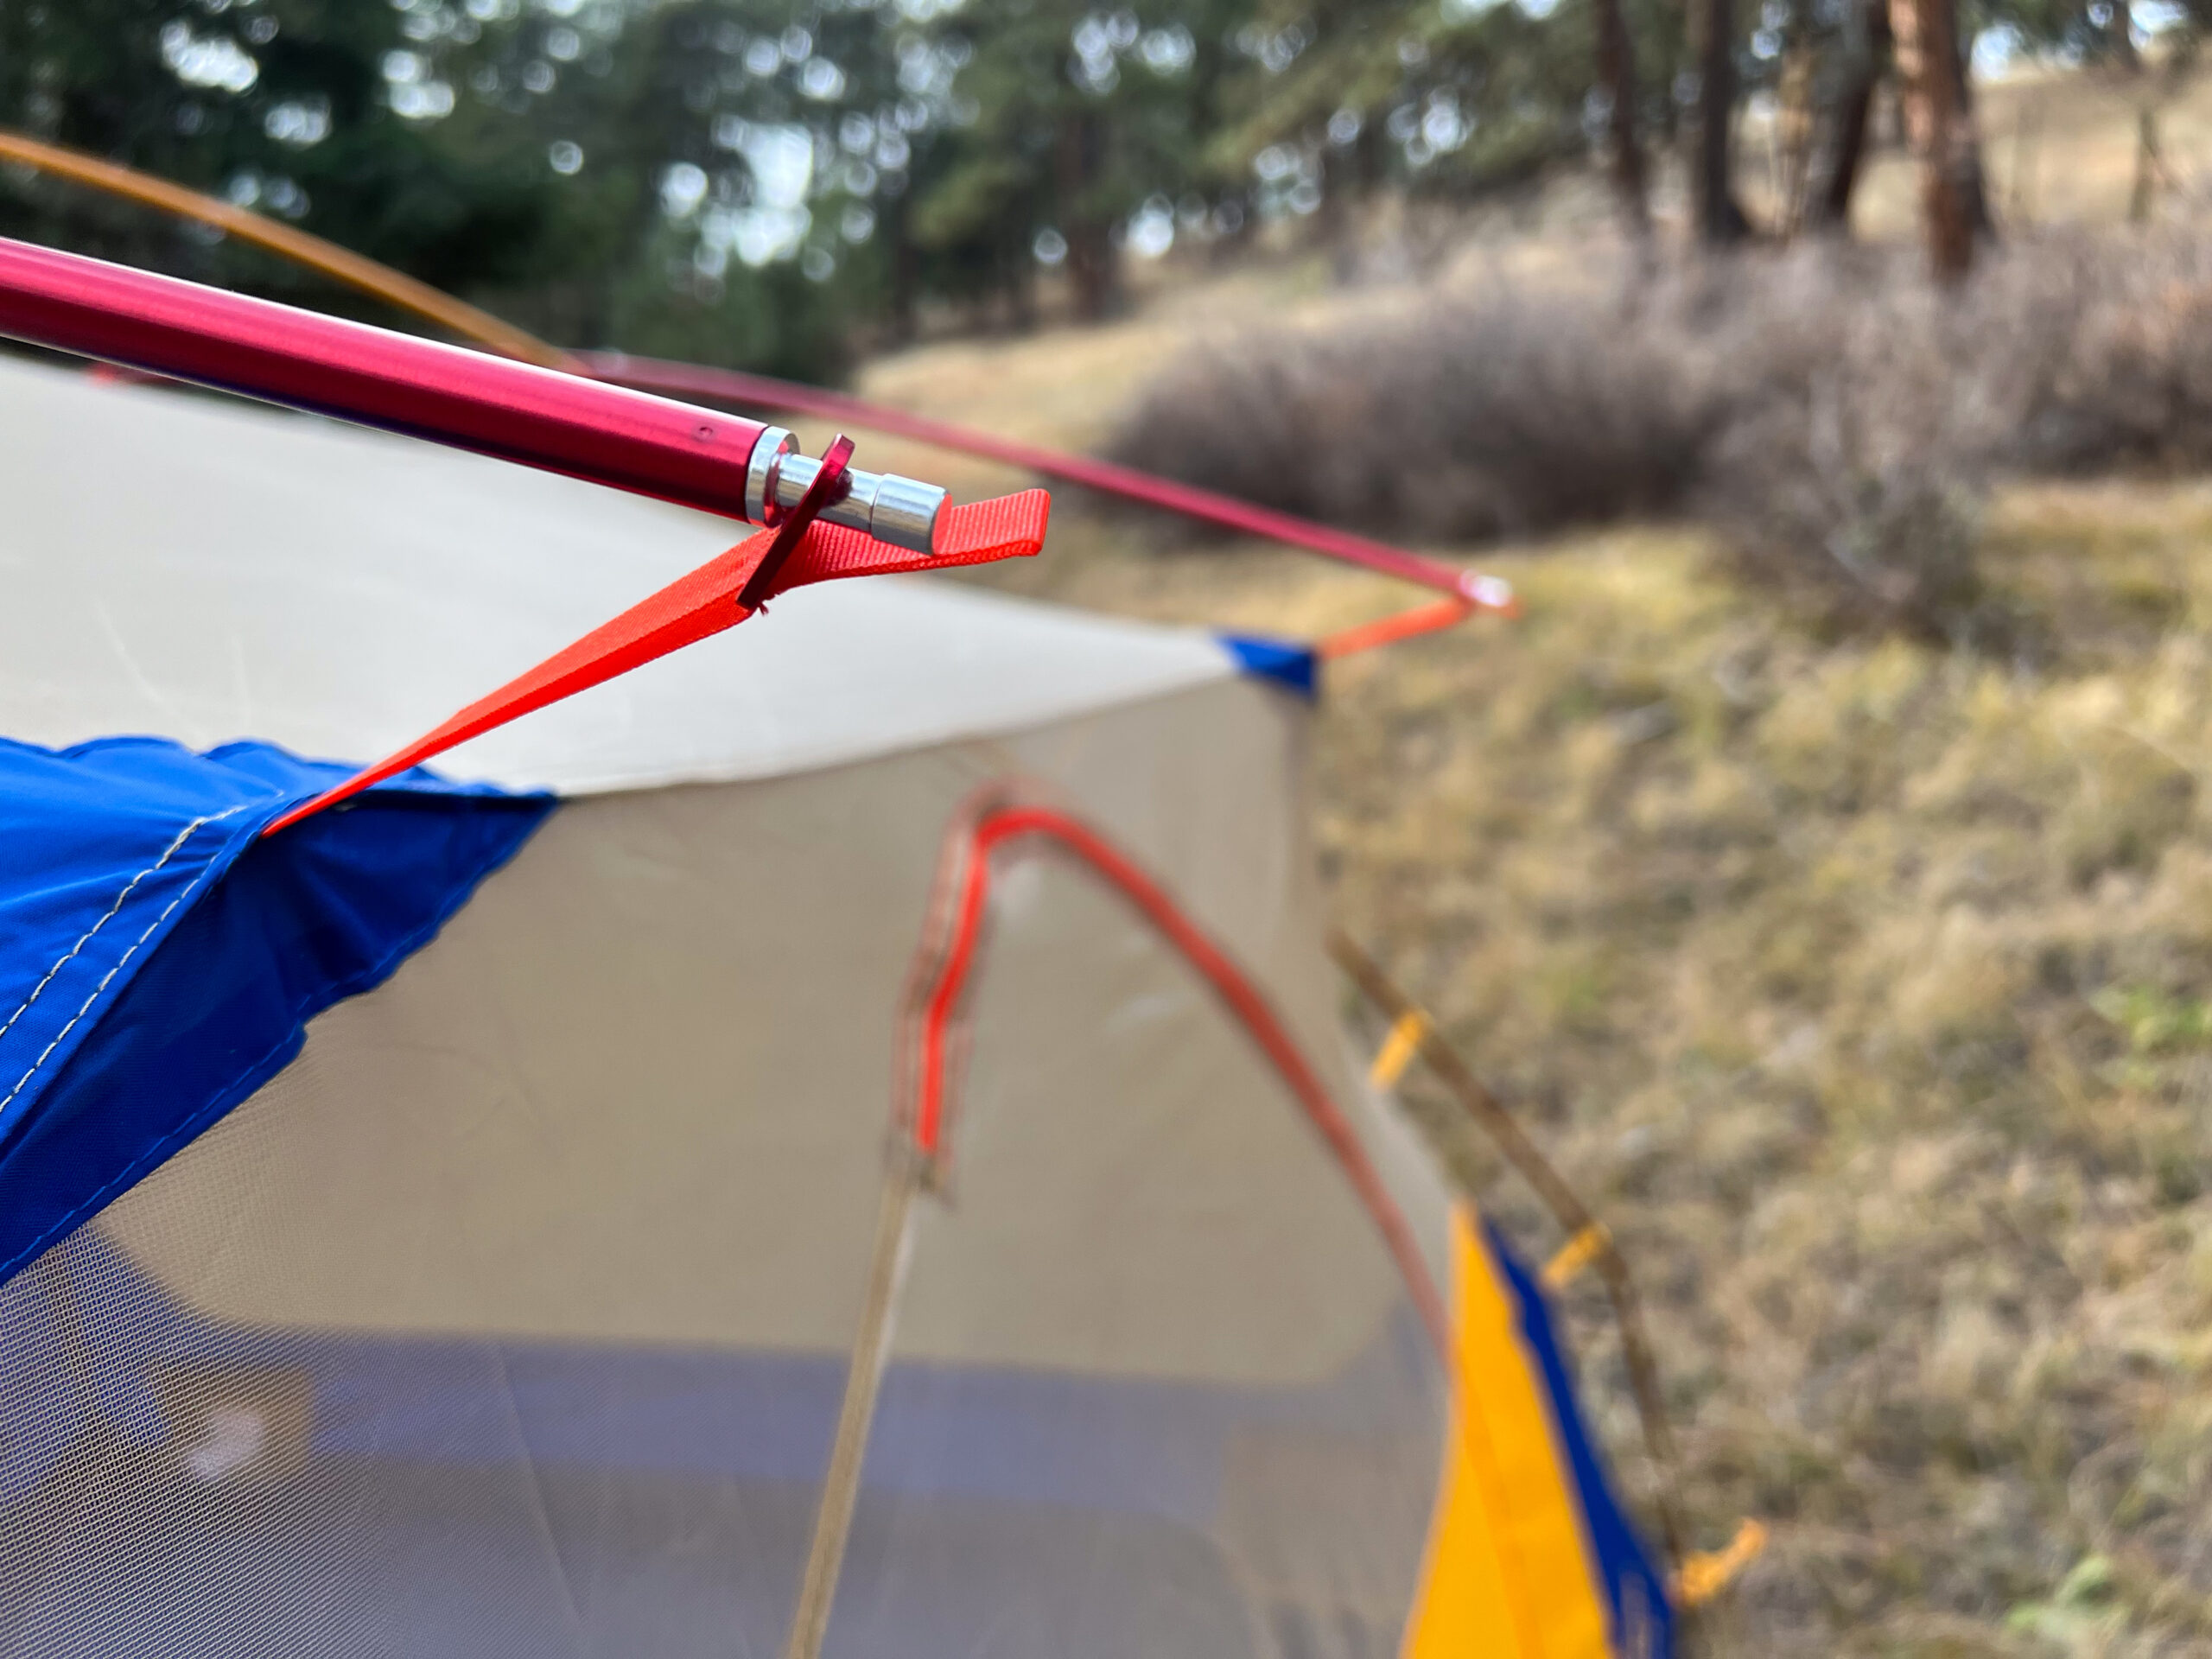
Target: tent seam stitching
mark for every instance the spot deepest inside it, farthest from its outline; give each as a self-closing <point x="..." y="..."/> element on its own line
<point x="100" y="989"/>
<point x="114" y="909"/>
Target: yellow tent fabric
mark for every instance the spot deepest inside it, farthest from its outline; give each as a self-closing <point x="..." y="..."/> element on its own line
<point x="1510" y="1572"/>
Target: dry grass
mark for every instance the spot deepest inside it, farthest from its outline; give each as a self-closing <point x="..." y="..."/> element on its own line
<point x="1867" y="988"/>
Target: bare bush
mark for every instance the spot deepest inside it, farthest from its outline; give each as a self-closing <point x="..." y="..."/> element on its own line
<point x="1483" y="417"/>
<point x="1856" y="441"/>
<point x="1840" y="416"/>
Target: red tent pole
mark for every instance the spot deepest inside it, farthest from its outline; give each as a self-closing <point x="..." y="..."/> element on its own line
<point x="559" y="422"/>
<point x="1480" y="592"/>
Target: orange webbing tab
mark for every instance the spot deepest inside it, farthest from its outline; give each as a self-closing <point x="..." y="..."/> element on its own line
<point x="694" y="606"/>
<point x="1011" y="527"/>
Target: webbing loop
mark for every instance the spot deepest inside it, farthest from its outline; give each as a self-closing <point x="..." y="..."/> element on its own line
<point x="1705" y="1573"/>
<point x="1578" y="1253"/>
<point x="1398" y="1049"/>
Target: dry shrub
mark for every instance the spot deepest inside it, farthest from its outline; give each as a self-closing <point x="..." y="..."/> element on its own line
<point x="1852" y="452"/>
<point x="1458" y="419"/>
<point x="1840" y="416"/>
<point x="1449" y="419"/>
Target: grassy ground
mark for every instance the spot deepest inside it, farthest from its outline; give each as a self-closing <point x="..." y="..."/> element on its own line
<point x="1863" y="986"/>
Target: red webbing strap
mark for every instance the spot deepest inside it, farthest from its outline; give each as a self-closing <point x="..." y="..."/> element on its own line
<point x="705" y="602"/>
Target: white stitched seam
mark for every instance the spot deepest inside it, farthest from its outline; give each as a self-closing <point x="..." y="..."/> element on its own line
<point x="121" y="899"/>
<point x="182" y="835"/>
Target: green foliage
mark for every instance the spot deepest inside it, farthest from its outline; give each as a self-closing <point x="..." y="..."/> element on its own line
<point x="517" y="155"/>
<point x="763" y="181"/>
<point x="1441" y="97"/>
<point x="653" y="173"/>
<point x="1066" y="120"/>
<point x="280" y="105"/>
<point x="2154" y="1021"/>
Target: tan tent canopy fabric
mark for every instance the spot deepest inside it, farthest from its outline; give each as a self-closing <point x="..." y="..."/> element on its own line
<point x="263" y="575"/>
<point x="512" y="1315"/>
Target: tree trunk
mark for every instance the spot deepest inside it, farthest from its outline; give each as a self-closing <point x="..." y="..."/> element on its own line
<point x="1018" y="266"/>
<point x="1940" y="127"/>
<point x="2123" y="38"/>
<point x="1091" y="272"/>
<point x="1616" y="74"/>
<point x="1370" y="156"/>
<point x="1830" y="207"/>
<point x="2151" y="170"/>
<point x="906" y="272"/>
<point x="1719" y="220"/>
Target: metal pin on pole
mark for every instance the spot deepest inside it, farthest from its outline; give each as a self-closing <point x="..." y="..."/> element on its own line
<point x="900" y="511"/>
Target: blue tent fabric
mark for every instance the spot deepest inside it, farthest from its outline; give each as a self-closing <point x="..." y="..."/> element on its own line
<point x="1636" y="1591"/>
<point x="1287" y="662"/>
<point x="159" y="962"/>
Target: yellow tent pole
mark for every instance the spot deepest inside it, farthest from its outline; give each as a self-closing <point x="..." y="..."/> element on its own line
<point x="366" y="275"/>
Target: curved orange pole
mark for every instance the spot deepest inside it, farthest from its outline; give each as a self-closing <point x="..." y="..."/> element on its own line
<point x="1404" y="625"/>
<point x="947" y="968"/>
<point x="456" y="316"/>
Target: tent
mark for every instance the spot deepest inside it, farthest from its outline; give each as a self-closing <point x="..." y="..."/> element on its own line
<point x="843" y="1130"/>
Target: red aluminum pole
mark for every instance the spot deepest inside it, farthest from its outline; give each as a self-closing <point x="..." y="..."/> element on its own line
<point x="1209" y="506"/>
<point x="539" y="418"/>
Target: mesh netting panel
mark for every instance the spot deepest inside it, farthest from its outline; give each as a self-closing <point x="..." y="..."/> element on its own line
<point x="1018" y="1514"/>
<point x="177" y="1484"/>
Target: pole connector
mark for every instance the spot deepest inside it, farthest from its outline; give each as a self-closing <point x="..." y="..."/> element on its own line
<point x="900" y="511"/>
